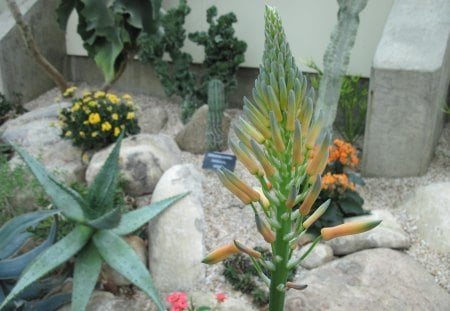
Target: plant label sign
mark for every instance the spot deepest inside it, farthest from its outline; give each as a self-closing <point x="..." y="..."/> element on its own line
<point x="215" y="160"/>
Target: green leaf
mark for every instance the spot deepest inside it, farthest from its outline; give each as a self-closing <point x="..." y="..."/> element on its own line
<point x="106" y="54"/>
<point x="13" y="267"/>
<point x="50" y="259"/>
<point x="11" y="229"/>
<point x="133" y="220"/>
<point x="66" y="199"/>
<point x="122" y="258"/>
<point x="109" y="220"/>
<point x="203" y="308"/>
<point x="351" y="204"/>
<point x="141" y="14"/>
<point x="63" y="12"/>
<point x="88" y="265"/>
<point x="102" y="190"/>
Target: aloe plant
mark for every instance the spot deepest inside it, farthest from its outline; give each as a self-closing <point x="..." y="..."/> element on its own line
<point x="96" y="236"/>
<point x="13" y="237"/>
<point x="282" y="144"/>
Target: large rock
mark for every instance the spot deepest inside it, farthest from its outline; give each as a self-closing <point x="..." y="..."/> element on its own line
<point x="176" y="236"/>
<point x="388" y="234"/>
<point x="377" y="279"/>
<point x="153" y="119"/>
<point x="321" y="254"/>
<point x="192" y="137"/>
<point x="34" y="132"/>
<point x="430" y="206"/>
<point x="143" y="160"/>
<point x="234" y="301"/>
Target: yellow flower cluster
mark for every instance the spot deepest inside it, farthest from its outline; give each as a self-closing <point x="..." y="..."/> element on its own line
<point x="69" y="92"/>
<point x="338" y="182"/>
<point x="343" y="152"/>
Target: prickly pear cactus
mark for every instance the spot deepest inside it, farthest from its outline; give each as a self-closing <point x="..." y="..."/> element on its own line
<point x="215" y="137"/>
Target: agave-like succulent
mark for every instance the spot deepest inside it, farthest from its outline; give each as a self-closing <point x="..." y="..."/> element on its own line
<point x="96" y="236"/>
<point x="280" y="129"/>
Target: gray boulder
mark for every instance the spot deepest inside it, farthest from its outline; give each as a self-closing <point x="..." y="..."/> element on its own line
<point x="234" y="301"/>
<point x="377" y="279"/>
<point x="388" y="234"/>
<point x="34" y="132"/>
<point x="321" y="254"/>
<point x="153" y="119"/>
<point x="176" y="236"/>
<point x="192" y="137"/>
<point x="143" y="160"/>
<point x="430" y="206"/>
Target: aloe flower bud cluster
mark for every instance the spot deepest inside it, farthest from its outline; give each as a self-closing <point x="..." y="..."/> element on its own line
<point x="279" y="129"/>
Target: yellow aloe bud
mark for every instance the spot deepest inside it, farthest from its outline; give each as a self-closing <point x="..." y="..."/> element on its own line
<point x="256" y="111"/>
<point x="251" y="131"/>
<point x="244" y="156"/>
<point x="305" y="116"/>
<point x="264" y="228"/>
<point x="291" y="112"/>
<point x="233" y="188"/>
<point x="297" y="149"/>
<point x="348" y="229"/>
<point x="290" y="285"/>
<point x="221" y="253"/>
<point x="317" y="165"/>
<point x="236" y="181"/>
<point x="276" y="133"/>
<point x="314" y="131"/>
<point x="290" y="202"/>
<point x="247" y="250"/>
<point x="269" y="170"/>
<point x="262" y="198"/>
<point x="274" y="103"/>
<point x="283" y="91"/>
<point x="242" y="137"/>
<point x="257" y="122"/>
<point x="317" y="214"/>
<point x="311" y="197"/>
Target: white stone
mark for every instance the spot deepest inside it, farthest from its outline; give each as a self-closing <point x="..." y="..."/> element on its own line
<point x="321" y="254"/>
<point x="142" y="161"/>
<point x="375" y="279"/>
<point x="234" y="301"/>
<point x="387" y="234"/>
<point x="176" y="246"/>
<point x="430" y="206"/>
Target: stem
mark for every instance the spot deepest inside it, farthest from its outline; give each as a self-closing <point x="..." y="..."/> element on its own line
<point x="30" y="44"/>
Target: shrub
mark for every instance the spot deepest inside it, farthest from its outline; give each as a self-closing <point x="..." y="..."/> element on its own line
<point x="97" y="119"/>
<point x="5" y="108"/>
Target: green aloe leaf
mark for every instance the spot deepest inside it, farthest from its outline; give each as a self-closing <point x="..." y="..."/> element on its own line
<point x="101" y="191"/>
<point x="16" y="226"/>
<point x="88" y="265"/>
<point x="132" y="221"/>
<point x="122" y="258"/>
<point x="11" y="248"/>
<point x="50" y="259"/>
<point x="66" y="199"/>
<point x="107" y="221"/>
<point x="12" y="268"/>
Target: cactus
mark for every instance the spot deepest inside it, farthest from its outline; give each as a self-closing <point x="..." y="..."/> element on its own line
<point x="337" y="57"/>
<point x="215" y="137"/>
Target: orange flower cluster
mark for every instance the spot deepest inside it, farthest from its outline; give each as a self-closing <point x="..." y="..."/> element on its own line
<point x="344" y="153"/>
<point x="338" y="182"/>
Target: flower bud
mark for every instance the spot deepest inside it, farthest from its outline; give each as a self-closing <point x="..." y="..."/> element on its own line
<point x="247" y="250"/>
<point x="311" y="197"/>
<point x="242" y="137"/>
<point x="252" y="131"/>
<point x="314" y="131"/>
<point x="220" y="254"/>
<point x="297" y="147"/>
<point x="264" y="228"/>
<point x="290" y="285"/>
<point x="269" y="170"/>
<point x="274" y="103"/>
<point x="348" y="229"/>
<point x="276" y="133"/>
<point x="244" y="156"/>
<point x="256" y="111"/>
<point x="233" y="188"/>
<point x="283" y="91"/>
<point x="318" y="163"/>
<point x="236" y="181"/>
<point x="305" y="116"/>
<point x="257" y="122"/>
<point x="317" y="214"/>
<point x="291" y="112"/>
<point x="262" y="198"/>
<point x="290" y="202"/>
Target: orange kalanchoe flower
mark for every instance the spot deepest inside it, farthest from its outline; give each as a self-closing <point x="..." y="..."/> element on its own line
<point x="337" y="182"/>
<point x="343" y="152"/>
<point x="348" y="229"/>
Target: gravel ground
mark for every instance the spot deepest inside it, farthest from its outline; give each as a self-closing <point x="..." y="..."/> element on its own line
<point x="227" y="218"/>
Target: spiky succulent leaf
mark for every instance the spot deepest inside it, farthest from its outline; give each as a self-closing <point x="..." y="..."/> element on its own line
<point x="133" y="220"/>
<point x="122" y="258"/>
<point x="102" y="190"/>
<point x="107" y="221"/>
<point x="50" y="259"/>
<point x="11" y="233"/>
<point x="88" y="265"/>
<point x="13" y="267"/>
<point x="66" y="199"/>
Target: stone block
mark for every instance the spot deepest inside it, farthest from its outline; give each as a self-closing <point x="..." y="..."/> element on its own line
<point x="408" y="86"/>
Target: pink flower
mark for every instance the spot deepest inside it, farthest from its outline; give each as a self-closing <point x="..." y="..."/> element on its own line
<point x="178" y="301"/>
<point x="220" y="297"/>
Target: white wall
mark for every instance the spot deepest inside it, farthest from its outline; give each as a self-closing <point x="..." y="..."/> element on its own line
<point x="308" y="25"/>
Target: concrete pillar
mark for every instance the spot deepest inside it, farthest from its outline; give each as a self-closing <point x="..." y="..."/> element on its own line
<point x="408" y="86"/>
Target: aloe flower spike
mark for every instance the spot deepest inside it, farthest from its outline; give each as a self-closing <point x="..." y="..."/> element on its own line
<point x="311" y="197"/>
<point x="348" y="229"/>
<point x="276" y="133"/>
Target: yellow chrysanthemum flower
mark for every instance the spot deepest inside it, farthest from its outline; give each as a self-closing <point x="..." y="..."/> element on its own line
<point x="131" y="115"/>
<point x="94" y="118"/>
<point x="106" y="126"/>
<point x="82" y="134"/>
<point x="93" y="104"/>
<point x="68" y="133"/>
<point x="126" y="96"/>
<point x="116" y="131"/>
<point x="87" y="99"/>
<point x="115" y="116"/>
<point x="99" y="94"/>
<point x="94" y="134"/>
<point x="113" y="98"/>
<point x="75" y="107"/>
<point x="86" y="93"/>
<point x="109" y="108"/>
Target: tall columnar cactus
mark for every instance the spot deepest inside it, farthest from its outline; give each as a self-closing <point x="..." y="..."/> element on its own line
<point x="337" y="57"/>
<point x="282" y="144"/>
<point x="216" y="106"/>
